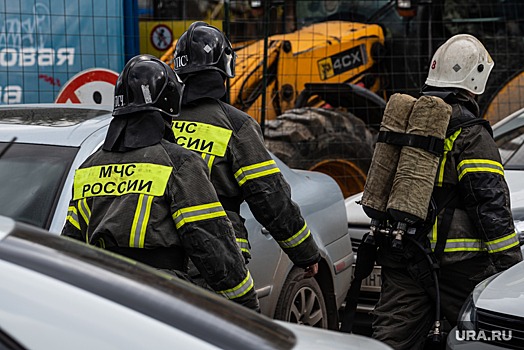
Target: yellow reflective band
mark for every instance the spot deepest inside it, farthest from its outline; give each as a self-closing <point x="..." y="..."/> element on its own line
<point x="120" y="179"/>
<point x="243" y="244"/>
<point x="297" y="238"/>
<point x="202" y="137"/>
<point x="448" y="146"/>
<point x="209" y="159"/>
<point x="100" y="243"/>
<point x="241" y="289"/>
<point x="198" y="213"/>
<point x="85" y="212"/>
<point x="255" y="171"/>
<point x="72" y="217"/>
<point x="464" y="244"/>
<point x="479" y="165"/>
<point x="503" y="243"/>
<point x="433" y="238"/>
<point x="138" y="229"/>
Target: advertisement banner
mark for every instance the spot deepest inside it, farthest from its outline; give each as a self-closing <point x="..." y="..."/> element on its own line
<point x="44" y="43"/>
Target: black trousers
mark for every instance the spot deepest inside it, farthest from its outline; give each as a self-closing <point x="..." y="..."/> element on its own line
<point x="405" y="313"/>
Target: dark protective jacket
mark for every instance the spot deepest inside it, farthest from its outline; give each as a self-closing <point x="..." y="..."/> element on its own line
<point x="157" y="198"/>
<point x="480" y="213"/>
<point x="241" y="168"/>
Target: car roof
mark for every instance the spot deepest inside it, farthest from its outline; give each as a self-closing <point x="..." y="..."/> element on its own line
<point x="136" y="286"/>
<point x="512" y="121"/>
<point x="56" y="124"/>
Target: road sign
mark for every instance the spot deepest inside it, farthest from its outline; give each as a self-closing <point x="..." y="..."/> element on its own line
<point x="161" y="37"/>
<point x="91" y="86"/>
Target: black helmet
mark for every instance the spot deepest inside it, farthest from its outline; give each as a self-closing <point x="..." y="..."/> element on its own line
<point x="204" y="47"/>
<point x="147" y="84"/>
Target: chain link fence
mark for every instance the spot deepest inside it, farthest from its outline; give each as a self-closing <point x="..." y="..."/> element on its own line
<point x="315" y="74"/>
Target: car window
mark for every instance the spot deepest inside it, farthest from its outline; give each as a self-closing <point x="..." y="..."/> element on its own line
<point x="516" y="160"/>
<point x="31" y="178"/>
<point x="511" y="149"/>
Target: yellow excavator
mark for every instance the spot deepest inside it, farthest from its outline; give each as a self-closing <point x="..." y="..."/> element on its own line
<point x="319" y="89"/>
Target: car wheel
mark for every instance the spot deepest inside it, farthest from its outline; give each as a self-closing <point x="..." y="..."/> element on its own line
<point x="302" y="301"/>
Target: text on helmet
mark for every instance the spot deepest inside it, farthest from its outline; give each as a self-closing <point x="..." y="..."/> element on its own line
<point x="181" y="61"/>
<point x="119" y="101"/>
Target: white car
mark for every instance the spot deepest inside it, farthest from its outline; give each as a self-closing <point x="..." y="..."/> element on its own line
<point x="493" y="316"/>
<point x="509" y="136"/>
<point x="52" y="140"/>
<point x="58" y="293"/>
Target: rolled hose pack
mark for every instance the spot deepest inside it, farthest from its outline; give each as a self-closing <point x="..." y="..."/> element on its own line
<point x="416" y="170"/>
<point x="386" y="157"/>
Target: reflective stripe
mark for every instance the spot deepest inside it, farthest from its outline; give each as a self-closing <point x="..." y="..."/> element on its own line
<point x="142" y="214"/>
<point x="198" y="213"/>
<point x="202" y="137"/>
<point x="433" y="233"/>
<point x="479" y="165"/>
<point x="243" y="244"/>
<point x="462" y="245"/>
<point x="121" y="179"/>
<point x="85" y="212"/>
<point x="101" y="243"/>
<point x="72" y="217"/>
<point x="240" y="289"/>
<point x="209" y="159"/>
<point x="297" y="238"/>
<point x="448" y="146"/>
<point x="256" y="170"/>
<point x="503" y="243"/>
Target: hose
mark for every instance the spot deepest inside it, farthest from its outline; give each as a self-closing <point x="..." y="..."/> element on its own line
<point x="436" y="330"/>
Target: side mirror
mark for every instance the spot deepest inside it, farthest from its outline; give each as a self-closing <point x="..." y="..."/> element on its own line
<point x="407" y="8"/>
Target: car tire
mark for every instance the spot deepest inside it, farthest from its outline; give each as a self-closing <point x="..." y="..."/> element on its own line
<point x="301" y="301"/>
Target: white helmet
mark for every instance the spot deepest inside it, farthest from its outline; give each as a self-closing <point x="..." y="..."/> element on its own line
<point x="461" y="62"/>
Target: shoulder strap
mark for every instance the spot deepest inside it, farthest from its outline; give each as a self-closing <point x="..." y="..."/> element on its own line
<point x="465" y="120"/>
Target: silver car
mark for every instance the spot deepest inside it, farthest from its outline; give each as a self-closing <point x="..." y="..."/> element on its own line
<point x="37" y="171"/>
<point x="58" y="293"/>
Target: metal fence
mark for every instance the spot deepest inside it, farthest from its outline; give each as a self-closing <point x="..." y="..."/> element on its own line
<point x="315" y="74"/>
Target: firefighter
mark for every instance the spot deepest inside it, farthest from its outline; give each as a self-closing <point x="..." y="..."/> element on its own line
<point x="143" y="196"/>
<point x="473" y="236"/>
<point x="232" y="145"/>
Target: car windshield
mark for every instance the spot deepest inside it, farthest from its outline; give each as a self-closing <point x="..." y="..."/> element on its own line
<point x="31" y="177"/>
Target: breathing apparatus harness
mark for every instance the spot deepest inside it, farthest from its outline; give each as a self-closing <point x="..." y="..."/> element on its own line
<point x="423" y="265"/>
<point x="411" y="238"/>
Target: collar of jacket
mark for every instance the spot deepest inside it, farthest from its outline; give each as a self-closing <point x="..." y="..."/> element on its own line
<point x="137" y="130"/>
<point x="452" y="96"/>
<point x="204" y="84"/>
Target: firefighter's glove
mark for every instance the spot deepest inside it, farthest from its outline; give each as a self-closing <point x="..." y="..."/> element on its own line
<point x="311" y="270"/>
<point x="366" y="256"/>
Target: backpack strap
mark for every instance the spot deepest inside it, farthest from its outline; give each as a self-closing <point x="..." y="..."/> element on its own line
<point x="431" y="144"/>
